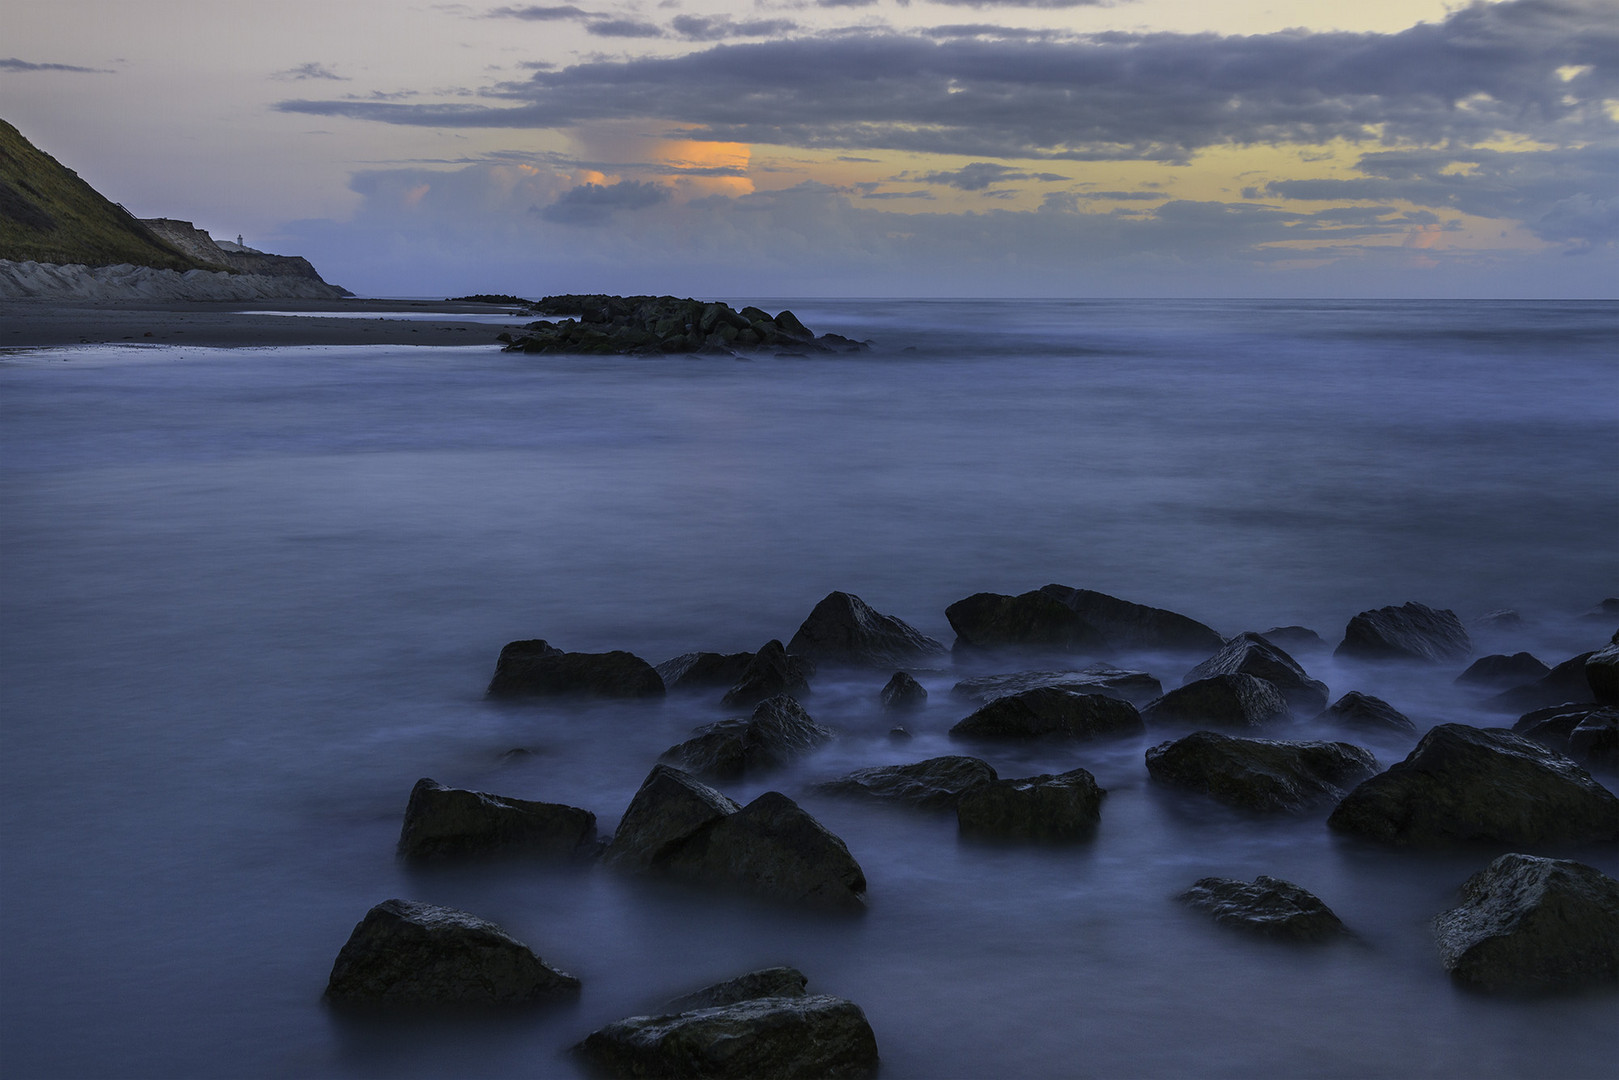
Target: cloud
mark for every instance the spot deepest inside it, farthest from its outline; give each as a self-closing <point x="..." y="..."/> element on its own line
<point x="595" y="204"/>
<point x="308" y="71"/>
<point x="624" y="28"/>
<point x="980" y="175"/>
<point x="1024" y="3"/>
<point x="897" y="195"/>
<point x="14" y="64"/>
<point x="715" y="27"/>
<point x="539" y="14"/>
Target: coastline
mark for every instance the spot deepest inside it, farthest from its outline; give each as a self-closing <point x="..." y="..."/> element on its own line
<point x="247" y="323"/>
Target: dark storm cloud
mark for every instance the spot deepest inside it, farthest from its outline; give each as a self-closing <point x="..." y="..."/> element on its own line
<point x="539" y="14"/>
<point x="1484" y="70"/>
<point x="980" y="175"/>
<point x="14" y="64"/>
<point x="595" y="204"/>
<point x="624" y="28"/>
<point x="716" y="27"/>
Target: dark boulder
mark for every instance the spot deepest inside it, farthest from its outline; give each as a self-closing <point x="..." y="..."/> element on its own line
<point x="408" y="954"/>
<point x="1295" y="639"/>
<point x="772" y="671"/>
<point x="1503" y="619"/>
<point x="1410" y="632"/>
<point x="778" y="731"/>
<point x="1366" y="713"/>
<point x="1045" y="808"/>
<point x="537" y="669"/>
<point x="1594" y="743"/>
<point x="1551" y="726"/>
<point x="1125" y="625"/>
<point x="1136" y="687"/>
<point x="1499" y="670"/>
<point x="1050" y="713"/>
<point x="1566" y="682"/>
<point x="903" y="692"/>
<point x="1267" y="906"/>
<point x="766" y="982"/>
<point x="797" y="1037"/>
<point x="1602" y="675"/>
<point x="704" y="670"/>
<point x="1260" y="774"/>
<point x="1251" y="654"/>
<point x="773" y="849"/>
<point x="935" y="784"/>
<point x="844" y="629"/>
<point x="443" y="822"/>
<point x="992" y="622"/>
<point x="1531" y="924"/>
<point x="1465" y="784"/>
<point x="1227" y="701"/>
<point x="669" y="809"/>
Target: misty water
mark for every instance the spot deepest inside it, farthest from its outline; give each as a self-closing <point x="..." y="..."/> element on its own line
<point x="250" y="596"/>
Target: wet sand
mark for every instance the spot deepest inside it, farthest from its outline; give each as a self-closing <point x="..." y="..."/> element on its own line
<point x="245" y="324"/>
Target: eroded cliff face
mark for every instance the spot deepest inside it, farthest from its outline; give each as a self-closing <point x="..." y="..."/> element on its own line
<point x="191" y="241"/>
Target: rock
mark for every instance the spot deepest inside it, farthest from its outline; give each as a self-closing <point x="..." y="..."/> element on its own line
<point x="844" y="629"/>
<point x="1229" y="701"/>
<point x="899" y="735"/>
<point x="1295" y="639"/>
<point x="903" y="692"/>
<point x="1465" y="784"/>
<point x="791" y="1038"/>
<point x="1606" y="611"/>
<point x="1268" y="906"/>
<point x="766" y="982"/>
<point x="1602" y="675"/>
<point x="669" y="809"/>
<point x="1500" y="670"/>
<point x="1057" y="808"/>
<point x="1504" y="619"/>
<point x="1366" y="713"/>
<point x="778" y="731"/>
<point x="789" y="325"/>
<point x="773" y="849"/>
<point x="1124" y="625"/>
<point x="1050" y="713"/>
<point x="536" y="669"/>
<point x="935" y="784"/>
<point x="771" y="671"/>
<point x="1594" y="743"/>
<point x="1251" y="654"/>
<point x="1410" y="632"/>
<point x="704" y="670"/>
<point x="639" y="325"/>
<point x="1566" y="682"/>
<point x="1551" y="726"/>
<point x="1136" y="687"/>
<point x="1527" y="923"/>
<point x="1260" y="774"/>
<point x="991" y="622"/>
<point x="408" y="954"/>
<point x="444" y="822"/>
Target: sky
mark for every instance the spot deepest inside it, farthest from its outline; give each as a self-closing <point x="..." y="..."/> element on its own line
<point x="1402" y="148"/>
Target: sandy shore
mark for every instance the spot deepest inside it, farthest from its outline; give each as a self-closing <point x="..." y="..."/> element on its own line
<point x="240" y="324"/>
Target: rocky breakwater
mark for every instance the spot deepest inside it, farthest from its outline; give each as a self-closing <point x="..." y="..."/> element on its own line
<point x="638" y="325"/>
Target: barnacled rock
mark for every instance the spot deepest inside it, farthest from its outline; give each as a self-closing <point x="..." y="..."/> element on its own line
<point x="408" y="954"/>
<point x="844" y="629"/>
<point x="778" y="731"/>
<point x="1124" y="625"/>
<point x="1136" y="687"/>
<point x="1251" y="654"/>
<point x="1500" y="670"/>
<point x="1410" y="632"/>
<point x="1267" y="906"/>
<point x="1044" y="808"/>
<point x="993" y="622"/>
<point x="1367" y="713"/>
<point x="1228" y="701"/>
<point x="444" y="822"/>
<point x="772" y="671"/>
<point x="1464" y="784"/>
<point x="537" y="669"/>
<point x="1260" y="774"/>
<point x="1047" y="712"/>
<point x="903" y="692"/>
<point x="1527" y="923"/>
<point x="935" y="784"/>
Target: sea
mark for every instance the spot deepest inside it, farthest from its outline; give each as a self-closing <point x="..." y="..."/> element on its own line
<point x="250" y="596"/>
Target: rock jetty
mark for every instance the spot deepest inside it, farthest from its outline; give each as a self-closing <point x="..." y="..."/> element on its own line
<point x="635" y="325"/>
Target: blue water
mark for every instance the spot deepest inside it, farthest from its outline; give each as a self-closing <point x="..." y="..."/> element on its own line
<point x="250" y="596"/>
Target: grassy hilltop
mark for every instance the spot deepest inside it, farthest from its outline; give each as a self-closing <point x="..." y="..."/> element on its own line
<point x="47" y="214"/>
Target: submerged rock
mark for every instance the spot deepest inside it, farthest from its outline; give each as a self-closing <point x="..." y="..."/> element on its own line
<point x="844" y="629"/>
<point x="992" y="622"/>
<point x="766" y="982"/>
<point x="1566" y="682"/>
<point x="1295" y="639"/>
<point x="1050" y="713"/>
<point x="1527" y="923"/>
<point x="408" y="954"/>
<point x="1228" y="701"/>
<point x="1602" y="674"/>
<point x="1260" y="774"/>
<point x="1046" y="808"/>
<point x="670" y="808"/>
<point x="903" y="692"/>
<point x="704" y="670"/>
<point x="1367" y="713"/>
<point x="1251" y="654"/>
<point x="1266" y="906"/>
<point x="537" y="669"/>
<point x="1410" y="632"/>
<point x="1136" y="687"/>
<point x="935" y="784"/>
<point x="444" y="822"/>
<point x="1464" y="784"/>
<point x="778" y="731"/>
<point x="1499" y="670"/>
<point x="772" y="671"/>
<point x="1125" y="625"/>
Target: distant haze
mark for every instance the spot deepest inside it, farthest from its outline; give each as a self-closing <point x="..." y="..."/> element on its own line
<point x="855" y="147"/>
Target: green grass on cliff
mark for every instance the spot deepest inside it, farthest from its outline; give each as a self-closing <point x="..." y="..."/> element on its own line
<point x="47" y="214"/>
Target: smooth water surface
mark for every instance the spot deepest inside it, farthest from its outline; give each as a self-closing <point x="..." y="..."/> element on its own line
<point x="250" y="596"/>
